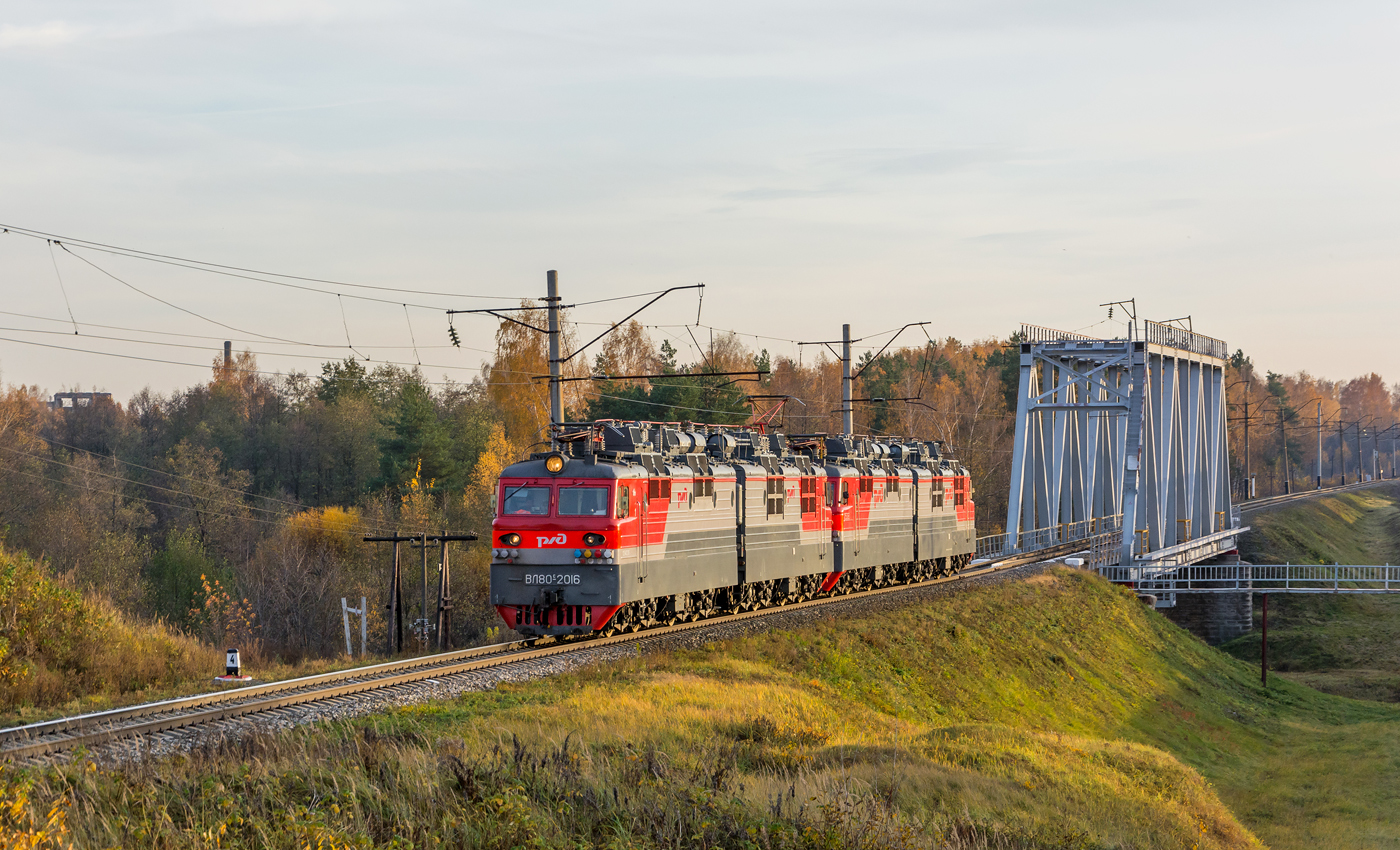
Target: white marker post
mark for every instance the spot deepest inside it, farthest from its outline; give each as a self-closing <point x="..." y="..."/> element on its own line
<point x="345" y="612"/>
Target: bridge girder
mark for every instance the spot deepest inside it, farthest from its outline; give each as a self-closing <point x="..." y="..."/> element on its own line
<point x="1130" y="428"/>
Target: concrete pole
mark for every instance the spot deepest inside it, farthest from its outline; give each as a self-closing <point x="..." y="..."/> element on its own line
<point x="1360" y="464"/>
<point x="1319" y="445"/>
<point x="424" y="541"/>
<point x="1248" y="479"/>
<point x="556" y="396"/>
<point x="847" y="413"/>
<point x="1342" y="445"/>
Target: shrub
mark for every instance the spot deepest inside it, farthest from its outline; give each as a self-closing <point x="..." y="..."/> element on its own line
<point x="57" y="643"/>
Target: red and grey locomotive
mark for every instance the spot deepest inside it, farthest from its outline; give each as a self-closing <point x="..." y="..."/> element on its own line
<point x="635" y="524"/>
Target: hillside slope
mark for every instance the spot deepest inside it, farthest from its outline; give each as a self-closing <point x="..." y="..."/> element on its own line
<point x="1346" y="645"/>
<point x="1053" y="712"/>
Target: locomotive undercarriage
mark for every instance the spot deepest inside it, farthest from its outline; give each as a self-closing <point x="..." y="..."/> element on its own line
<point x="700" y="605"/>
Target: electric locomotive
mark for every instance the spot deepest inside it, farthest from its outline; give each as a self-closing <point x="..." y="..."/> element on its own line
<point x="635" y="524"/>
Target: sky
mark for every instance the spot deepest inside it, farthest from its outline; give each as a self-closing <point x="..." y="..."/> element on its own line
<point x="972" y="165"/>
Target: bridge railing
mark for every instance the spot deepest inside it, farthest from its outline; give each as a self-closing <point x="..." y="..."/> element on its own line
<point x="1259" y="578"/>
<point x="1174" y="337"/>
<point x="1000" y="546"/>
<point x="1036" y="333"/>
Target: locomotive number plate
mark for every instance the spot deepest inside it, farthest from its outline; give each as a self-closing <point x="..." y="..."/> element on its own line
<point x="552" y="578"/>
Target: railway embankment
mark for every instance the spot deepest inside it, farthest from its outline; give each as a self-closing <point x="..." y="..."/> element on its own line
<point x="1346" y="644"/>
<point x="1051" y="712"/>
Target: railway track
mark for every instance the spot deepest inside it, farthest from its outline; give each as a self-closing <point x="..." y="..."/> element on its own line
<point x="185" y="715"/>
<point x="1269" y="501"/>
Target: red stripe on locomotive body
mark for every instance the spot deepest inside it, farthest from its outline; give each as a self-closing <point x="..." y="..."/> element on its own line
<point x="695" y="528"/>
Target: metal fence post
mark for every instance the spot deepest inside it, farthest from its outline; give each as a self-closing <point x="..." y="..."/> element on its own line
<point x="364" y="625"/>
<point x="345" y="620"/>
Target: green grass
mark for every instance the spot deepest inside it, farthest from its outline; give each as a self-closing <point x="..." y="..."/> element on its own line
<point x="1345" y="645"/>
<point x="1057" y="712"/>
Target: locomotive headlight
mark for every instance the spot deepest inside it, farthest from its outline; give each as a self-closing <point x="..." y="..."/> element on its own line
<point x="591" y="539"/>
<point x="555" y="464"/>
<point x="511" y="539"/>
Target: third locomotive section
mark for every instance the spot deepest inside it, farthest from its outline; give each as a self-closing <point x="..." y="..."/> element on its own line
<point x="636" y="524"/>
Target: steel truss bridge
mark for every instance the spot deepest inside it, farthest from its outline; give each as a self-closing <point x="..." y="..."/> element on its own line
<point x="1121" y="447"/>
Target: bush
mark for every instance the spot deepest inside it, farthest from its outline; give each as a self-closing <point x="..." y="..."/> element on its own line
<point x="57" y="644"/>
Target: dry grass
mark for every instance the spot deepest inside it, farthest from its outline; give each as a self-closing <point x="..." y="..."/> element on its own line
<point x="1058" y="714"/>
<point x="65" y="652"/>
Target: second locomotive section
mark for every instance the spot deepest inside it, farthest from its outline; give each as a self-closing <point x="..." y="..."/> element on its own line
<point x="637" y="524"/>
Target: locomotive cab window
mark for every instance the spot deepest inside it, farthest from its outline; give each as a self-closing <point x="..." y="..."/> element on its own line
<point x="526" y="501"/>
<point x="624" y="500"/>
<point x="583" y="501"/>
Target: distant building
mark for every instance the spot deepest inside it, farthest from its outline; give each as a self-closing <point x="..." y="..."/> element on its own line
<point x="63" y="400"/>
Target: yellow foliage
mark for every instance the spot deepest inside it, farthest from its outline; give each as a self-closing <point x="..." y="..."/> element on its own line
<point x="20" y="825"/>
<point x="420" y="510"/>
<point x="498" y="454"/>
<point x="332" y="528"/>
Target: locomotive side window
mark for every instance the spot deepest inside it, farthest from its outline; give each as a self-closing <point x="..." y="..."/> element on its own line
<point x="526" y="501"/>
<point x="831" y="492"/>
<point x="809" y="494"/>
<point x="845" y="493"/>
<point x="935" y="491"/>
<point x="624" y="499"/>
<point x="583" y="501"/>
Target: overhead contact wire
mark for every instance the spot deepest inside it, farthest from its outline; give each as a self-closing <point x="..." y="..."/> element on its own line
<point x="61" y="288"/>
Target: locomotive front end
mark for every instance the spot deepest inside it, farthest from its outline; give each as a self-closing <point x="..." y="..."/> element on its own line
<point x="554" y="556"/>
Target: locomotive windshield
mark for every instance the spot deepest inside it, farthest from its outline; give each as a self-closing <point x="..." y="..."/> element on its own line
<point x="583" y="501"/>
<point x="526" y="501"/>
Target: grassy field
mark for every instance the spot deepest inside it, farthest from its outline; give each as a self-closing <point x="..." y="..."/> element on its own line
<point x="1056" y="712"/>
<point x="1346" y="645"/>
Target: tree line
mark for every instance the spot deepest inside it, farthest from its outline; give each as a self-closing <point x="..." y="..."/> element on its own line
<point x="234" y="509"/>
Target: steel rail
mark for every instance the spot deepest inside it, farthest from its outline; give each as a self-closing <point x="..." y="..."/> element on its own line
<point x="1267" y="501"/>
<point x="99" y="727"/>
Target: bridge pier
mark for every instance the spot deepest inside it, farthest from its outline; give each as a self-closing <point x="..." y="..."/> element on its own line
<point x="1215" y="618"/>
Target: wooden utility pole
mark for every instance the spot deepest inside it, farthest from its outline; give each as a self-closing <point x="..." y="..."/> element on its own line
<point x="444" y="611"/>
<point x="394" y="622"/>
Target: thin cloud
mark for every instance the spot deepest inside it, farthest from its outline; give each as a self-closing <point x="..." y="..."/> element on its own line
<point x="51" y="34"/>
<point x="766" y="193"/>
